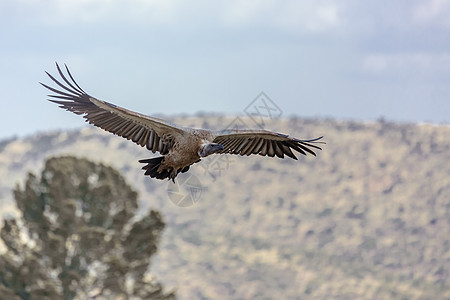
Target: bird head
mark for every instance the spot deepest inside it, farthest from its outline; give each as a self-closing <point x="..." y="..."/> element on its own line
<point x="208" y="148"/>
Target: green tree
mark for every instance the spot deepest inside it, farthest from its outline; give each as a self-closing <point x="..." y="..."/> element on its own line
<point x="78" y="237"/>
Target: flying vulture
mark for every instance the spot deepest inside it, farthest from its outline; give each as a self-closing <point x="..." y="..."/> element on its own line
<point x="180" y="147"/>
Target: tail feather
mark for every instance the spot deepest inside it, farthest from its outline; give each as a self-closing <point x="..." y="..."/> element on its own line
<point x="152" y="166"/>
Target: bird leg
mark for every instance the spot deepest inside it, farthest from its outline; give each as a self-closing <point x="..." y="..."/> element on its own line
<point x="173" y="174"/>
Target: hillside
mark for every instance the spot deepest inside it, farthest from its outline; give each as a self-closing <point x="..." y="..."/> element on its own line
<point x="368" y="218"/>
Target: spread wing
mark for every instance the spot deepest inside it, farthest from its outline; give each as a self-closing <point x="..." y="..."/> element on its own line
<point x="263" y="142"/>
<point x="153" y="133"/>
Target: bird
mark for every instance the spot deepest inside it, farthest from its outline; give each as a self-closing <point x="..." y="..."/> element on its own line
<point x="180" y="147"/>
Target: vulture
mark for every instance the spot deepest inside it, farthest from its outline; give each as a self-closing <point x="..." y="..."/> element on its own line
<point x="179" y="146"/>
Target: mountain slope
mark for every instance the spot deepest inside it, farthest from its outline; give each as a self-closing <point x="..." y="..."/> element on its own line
<point x="368" y="218"/>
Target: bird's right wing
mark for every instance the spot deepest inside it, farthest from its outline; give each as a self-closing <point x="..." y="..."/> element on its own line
<point x="144" y="130"/>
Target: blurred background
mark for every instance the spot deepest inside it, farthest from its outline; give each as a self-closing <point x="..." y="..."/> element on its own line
<point x="343" y="59"/>
<point x="368" y="218"/>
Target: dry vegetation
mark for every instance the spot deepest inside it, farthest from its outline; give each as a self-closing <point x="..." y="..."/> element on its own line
<point x="368" y="218"/>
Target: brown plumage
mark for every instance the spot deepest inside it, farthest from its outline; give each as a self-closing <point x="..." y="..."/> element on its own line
<point x="180" y="147"/>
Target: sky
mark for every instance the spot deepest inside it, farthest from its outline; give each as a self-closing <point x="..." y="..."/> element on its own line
<point x="344" y="59"/>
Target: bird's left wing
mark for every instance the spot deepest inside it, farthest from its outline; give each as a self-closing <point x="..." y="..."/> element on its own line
<point x="263" y="142"/>
<point x="143" y="130"/>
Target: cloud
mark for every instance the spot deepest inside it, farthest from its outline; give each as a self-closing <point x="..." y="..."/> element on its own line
<point x="291" y="15"/>
<point x="435" y="12"/>
<point x="311" y="16"/>
<point x="306" y="15"/>
<point x="419" y="62"/>
<point x="92" y="11"/>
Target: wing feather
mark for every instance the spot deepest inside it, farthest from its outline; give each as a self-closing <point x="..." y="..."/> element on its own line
<point x="288" y="151"/>
<point x="234" y="144"/>
<point x="155" y="142"/>
<point x="227" y="143"/>
<point x="249" y="147"/>
<point x="130" y="133"/>
<point x="241" y="145"/>
<point x="138" y="135"/>
<point x="144" y="138"/>
<point x="265" y="143"/>
<point x="150" y="140"/>
<point x="141" y="129"/>
<point x="122" y="131"/>
<point x="265" y="148"/>
<point x="258" y="146"/>
<point x="277" y="149"/>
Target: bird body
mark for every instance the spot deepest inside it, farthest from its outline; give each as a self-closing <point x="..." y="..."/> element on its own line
<point x="180" y="147"/>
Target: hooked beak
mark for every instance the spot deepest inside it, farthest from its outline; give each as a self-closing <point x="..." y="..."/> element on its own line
<point x="210" y="149"/>
<point x="216" y="147"/>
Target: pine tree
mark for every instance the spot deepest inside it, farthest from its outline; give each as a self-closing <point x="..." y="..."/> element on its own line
<point x="78" y="237"/>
